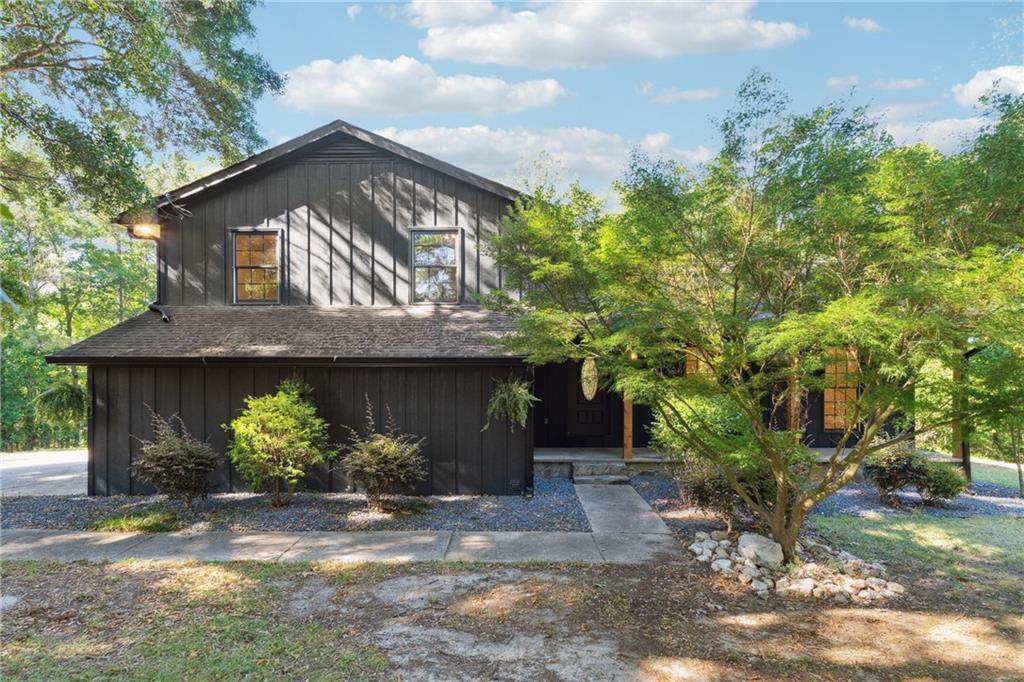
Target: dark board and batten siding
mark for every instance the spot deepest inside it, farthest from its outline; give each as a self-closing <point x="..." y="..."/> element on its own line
<point x="345" y="210"/>
<point x="443" y="404"/>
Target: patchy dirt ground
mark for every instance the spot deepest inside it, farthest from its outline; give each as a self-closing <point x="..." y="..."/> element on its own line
<point x="139" y="620"/>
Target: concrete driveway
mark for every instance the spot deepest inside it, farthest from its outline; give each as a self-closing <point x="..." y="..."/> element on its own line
<point x="43" y="472"/>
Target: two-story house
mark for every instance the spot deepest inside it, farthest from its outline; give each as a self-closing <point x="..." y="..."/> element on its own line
<point x="353" y="262"/>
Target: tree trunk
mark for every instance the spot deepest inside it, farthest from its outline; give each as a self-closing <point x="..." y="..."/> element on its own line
<point x="1018" y="457"/>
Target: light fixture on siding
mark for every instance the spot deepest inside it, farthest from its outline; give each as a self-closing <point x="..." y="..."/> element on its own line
<point x="145" y="230"/>
<point x="145" y="226"/>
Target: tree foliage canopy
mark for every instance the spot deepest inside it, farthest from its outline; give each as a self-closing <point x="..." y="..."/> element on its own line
<point x="808" y="237"/>
<point x="92" y="84"/>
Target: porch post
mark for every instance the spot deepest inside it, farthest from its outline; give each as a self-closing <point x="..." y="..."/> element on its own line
<point x="961" y="442"/>
<point x="627" y="428"/>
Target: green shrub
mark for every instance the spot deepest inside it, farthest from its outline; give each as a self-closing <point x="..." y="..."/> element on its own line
<point x="893" y="468"/>
<point x="705" y="488"/>
<point x="383" y="463"/>
<point x="175" y="462"/>
<point x="278" y="438"/>
<point x="940" y="481"/>
<point x="510" y="401"/>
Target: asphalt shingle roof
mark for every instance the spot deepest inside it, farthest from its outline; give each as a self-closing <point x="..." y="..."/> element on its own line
<point x="351" y="333"/>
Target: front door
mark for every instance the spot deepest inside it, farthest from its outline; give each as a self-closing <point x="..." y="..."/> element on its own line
<point x="587" y="419"/>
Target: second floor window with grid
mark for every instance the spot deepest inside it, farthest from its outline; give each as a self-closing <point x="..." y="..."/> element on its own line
<point x="256" y="267"/>
<point x="435" y="266"/>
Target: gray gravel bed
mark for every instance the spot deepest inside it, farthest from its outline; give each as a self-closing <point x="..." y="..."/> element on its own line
<point x="857" y="499"/>
<point x="860" y="499"/>
<point x="668" y="500"/>
<point x="554" y="507"/>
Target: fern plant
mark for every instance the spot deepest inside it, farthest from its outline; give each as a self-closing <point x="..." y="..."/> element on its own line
<point x="64" y="401"/>
<point x="510" y="401"/>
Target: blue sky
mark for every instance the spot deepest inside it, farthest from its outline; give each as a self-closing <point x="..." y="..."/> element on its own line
<point x="487" y="86"/>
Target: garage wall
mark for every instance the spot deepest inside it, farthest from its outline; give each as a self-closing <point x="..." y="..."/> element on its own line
<point x="445" y="404"/>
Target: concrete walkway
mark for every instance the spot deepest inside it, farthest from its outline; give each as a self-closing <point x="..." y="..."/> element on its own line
<point x="44" y="472"/>
<point x="625" y="531"/>
<point x="399" y="546"/>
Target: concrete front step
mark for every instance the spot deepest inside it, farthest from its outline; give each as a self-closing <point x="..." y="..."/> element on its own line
<point x="598" y="469"/>
<point x="601" y="479"/>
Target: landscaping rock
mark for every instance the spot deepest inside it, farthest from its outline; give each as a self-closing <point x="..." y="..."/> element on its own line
<point x="719" y="535"/>
<point x="762" y="550"/>
<point x="802" y="586"/>
<point x="756" y="561"/>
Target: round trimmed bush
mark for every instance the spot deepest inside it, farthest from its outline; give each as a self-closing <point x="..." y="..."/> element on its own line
<point x="278" y="438"/>
<point x="941" y="481"/>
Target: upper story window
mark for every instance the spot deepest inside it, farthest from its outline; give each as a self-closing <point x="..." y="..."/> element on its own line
<point x="435" y="262"/>
<point x="257" y="270"/>
<point x="840" y="393"/>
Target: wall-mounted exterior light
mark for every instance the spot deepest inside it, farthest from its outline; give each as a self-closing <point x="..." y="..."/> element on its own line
<point x="146" y="230"/>
<point x="143" y="225"/>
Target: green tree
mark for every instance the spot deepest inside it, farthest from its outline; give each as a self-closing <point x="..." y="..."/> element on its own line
<point x="996" y="379"/>
<point x="808" y="248"/>
<point x="72" y="275"/>
<point x="92" y="85"/>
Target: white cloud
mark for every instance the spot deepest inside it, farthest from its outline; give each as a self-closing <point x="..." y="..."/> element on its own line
<point x="352" y="11"/>
<point x="673" y="94"/>
<point x="595" y="156"/>
<point x="841" y="82"/>
<point x="407" y="85"/>
<point x="549" y="35"/>
<point x="946" y="135"/>
<point x="1006" y="79"/>
<point x="901" y="84"/>
<point x="864" y="24"/>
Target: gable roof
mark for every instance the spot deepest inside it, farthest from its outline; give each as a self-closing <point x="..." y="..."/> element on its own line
<point x="297" y="334"/>
<point x="313" y="136"/>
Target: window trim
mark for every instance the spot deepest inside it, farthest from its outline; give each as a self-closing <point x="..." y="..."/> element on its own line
<point x="417" y="230"/>
<point x="279" y="233"/>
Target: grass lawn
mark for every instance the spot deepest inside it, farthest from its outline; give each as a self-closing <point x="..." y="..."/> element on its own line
<point x="134" y="620"/>
<point x="154" y="520"/>
<point x="983" y="555"/>
<point x="981" y="470"/>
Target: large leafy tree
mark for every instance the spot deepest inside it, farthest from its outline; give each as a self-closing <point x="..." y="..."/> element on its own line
<point x="808" y="242"/>
<point x="72" y="274"/>
<point x="92" y="84"/>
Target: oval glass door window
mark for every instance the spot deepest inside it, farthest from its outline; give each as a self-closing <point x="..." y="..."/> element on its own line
<point x="588" y="378"/>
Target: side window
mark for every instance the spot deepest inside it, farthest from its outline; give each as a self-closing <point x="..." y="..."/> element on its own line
<point x="840" y="388"/>
<point x="435" y="264"/>
<point x="257" y="267"/>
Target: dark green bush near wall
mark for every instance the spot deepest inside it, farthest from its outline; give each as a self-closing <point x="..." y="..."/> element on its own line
<point x="383" y="463"/>
<point x="175" y="462"/>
